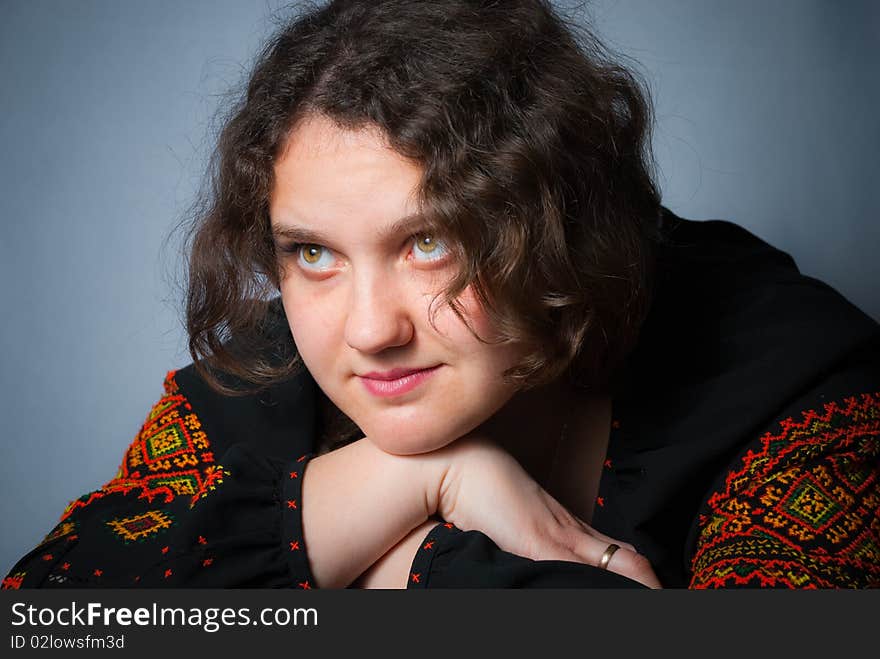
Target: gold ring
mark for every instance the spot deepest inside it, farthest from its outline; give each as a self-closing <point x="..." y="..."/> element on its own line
<point x="606" y="556"/>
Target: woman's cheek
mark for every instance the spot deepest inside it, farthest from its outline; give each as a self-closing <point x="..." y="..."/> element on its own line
<point x="450" y="326"/>
<point x="312" y="328"/>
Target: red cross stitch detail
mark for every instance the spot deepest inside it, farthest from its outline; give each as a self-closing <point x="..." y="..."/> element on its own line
<point x="207" y="562"/>
<point x="291" y="503"/>
<point x="608" y="464"/>
<point x="429" y="545"/>
<point x="415" y="576"/>
<point x="168" y="573"/>
<point x="47" y="557"/>
<point x="165" y="549"/>
<point x="448" y="525"/>
<point x="65" y="566"/>
<point x="98" y="573"/>
<point x="300" y="459"/>
<point x="294" y="545"/>
<point x="294" y="474"/>
<point x="72" y="537"/>
<point x="600" y="501"/>
<point x="305" y="585"/>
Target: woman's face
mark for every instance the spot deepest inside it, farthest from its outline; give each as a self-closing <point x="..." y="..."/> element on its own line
<point x="359" y="276"/>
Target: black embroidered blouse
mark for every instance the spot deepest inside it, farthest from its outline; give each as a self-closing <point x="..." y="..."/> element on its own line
<point x="745" y="451"/>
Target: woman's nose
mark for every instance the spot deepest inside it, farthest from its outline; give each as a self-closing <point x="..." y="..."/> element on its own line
<point x="378" y="316"/>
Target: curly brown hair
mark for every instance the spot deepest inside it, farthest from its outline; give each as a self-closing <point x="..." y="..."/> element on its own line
<point x="535" y="151"/>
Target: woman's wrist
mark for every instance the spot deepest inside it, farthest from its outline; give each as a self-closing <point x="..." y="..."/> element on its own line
<point x="359" y="502"/>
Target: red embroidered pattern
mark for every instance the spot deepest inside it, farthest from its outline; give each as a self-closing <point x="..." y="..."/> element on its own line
<point x="803" y="511"/>
<point x="169" y="458"/>
<point x="13" y="581"/>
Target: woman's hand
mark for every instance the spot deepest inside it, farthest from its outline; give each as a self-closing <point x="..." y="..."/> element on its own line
<point x="486" y="489"/>
<point x="360" y="503"/>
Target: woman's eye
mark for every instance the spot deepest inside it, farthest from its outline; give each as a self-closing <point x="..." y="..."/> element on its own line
<point x="428" y="248"/>
<point x="315" y="257"/>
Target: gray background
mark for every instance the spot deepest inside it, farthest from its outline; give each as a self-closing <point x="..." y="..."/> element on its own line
<point x="766" y="116"/>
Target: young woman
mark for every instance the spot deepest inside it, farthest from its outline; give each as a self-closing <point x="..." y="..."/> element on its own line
<point x="495" y="359"/>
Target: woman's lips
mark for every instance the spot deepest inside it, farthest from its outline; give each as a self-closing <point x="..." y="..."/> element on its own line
<point x="395" y="382"/>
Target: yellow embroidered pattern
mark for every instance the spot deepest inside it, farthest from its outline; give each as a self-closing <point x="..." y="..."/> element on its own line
<point x="803" y="511"/>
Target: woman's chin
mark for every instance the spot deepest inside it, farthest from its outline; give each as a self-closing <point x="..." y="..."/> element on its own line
<point x="403" y="439"/>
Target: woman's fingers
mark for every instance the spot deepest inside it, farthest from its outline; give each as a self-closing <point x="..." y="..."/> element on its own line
<point x="607" y="539"/>
<point x="631" y="564"/>
<point x="624" y="560"/>
<point x="589" y="545"/>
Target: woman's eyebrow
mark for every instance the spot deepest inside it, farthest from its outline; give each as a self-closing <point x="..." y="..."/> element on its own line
<point x="297" y="234"/>
<point x="407" y="224"/>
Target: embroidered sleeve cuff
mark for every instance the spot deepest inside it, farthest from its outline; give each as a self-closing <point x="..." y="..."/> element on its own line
<point x="291" y="524"/>
<point x="439" y="540"/>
